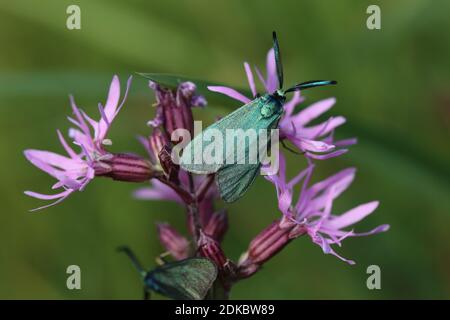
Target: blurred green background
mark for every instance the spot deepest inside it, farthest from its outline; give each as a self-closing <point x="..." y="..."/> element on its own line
<point x="393" y="89"/>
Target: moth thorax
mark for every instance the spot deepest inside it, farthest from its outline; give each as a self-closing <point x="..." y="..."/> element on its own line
<point x="268" y="109"/>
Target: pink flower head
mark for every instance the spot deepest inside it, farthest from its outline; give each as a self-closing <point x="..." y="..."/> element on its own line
<point x="173" y="107"/>
<point x="316" y="141"/>
<point x="312" y="213"/>
<point x="76" y="170"/>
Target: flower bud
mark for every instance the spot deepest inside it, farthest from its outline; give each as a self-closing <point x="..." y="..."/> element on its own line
<point x="174" y="107"/>
<point x="175" y="243"/>
<point x="124" y="167"/>
<point x="210" y="248"/>
<point x="217" y="225"/>
<point x="264" y="246"/>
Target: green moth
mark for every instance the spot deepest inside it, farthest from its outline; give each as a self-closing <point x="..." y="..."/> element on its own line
<point x="234" y="170"/>
<point x="188" y="279"/>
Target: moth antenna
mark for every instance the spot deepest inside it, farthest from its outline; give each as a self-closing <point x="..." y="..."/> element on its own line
<point x="279" y="65"/>
<point x="133" y="259"/>
<point x="311" y="84"/>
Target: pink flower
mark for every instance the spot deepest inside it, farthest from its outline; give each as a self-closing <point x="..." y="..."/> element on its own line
<point x="316" y="141"/>
<point x="312" y="213"/>
<point x="76" y="170"/>
<point x="173" y="241"/>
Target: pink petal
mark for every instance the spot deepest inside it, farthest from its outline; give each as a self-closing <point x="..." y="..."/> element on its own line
<point x="381" y="228"/>
<point x="290" y="106"/>
<point x="81" y="139"/>
<point x="103" y="115"/>
<point x="284" y="201"/>
<point x="111" y="109"/>
<point x="322" y="129"/>
<point x="282" y="167"/>
<point x="345" y="142"/>
<point x="251" y="80"/>
<point x="68" y="149"/>
<point x="319" y="192"/>
<point x="92" y="122"/>
<point x="261" y="78"/>
<point x="42" y="159"/>
<point x="230" y="92"/>
<point x="299" y="177"/>
<point x="326" y="248"/>
<point x="124" y="98"/>
<point x="113" y="98"/>
<point x="76" y="123"/>
<point x="326" y="156"/>
<point x="328" y="203"/>
<point x="158" y="191"/>
<point x="271" y="68"/>
<point x="304" y="193"/>
<point x="146" y="143"/>
<point x="346" y="175"/>
<point x="60" y="196"/>
<point x="313" y="111"/>
<point x="46" y="196"/>
<point x="352" y="216"/>
<point x="312" y="145"/>
<point x="344" y="234"/>
<point x="80" y="119"/>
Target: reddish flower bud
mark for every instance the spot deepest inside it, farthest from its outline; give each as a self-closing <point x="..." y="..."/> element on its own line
<point x="174" y="107"/>
<point x="264" y="246"/>
<point x="175" y="243"/>
<point x="217" y="225"/>
<point x="124" y="167"/>
<point x="210" y="248"/>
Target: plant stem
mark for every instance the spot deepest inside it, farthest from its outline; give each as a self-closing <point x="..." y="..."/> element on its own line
<point x="194" y="212"/>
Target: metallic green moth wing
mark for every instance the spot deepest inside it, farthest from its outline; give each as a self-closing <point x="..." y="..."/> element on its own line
<point x="234" y="180"/>
<point x="188" y="279"/>
<point x="234" y="120"/>
<point x="235" y="173"/>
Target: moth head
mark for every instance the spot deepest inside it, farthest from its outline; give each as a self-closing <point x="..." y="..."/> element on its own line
<point x="279" y="95"/>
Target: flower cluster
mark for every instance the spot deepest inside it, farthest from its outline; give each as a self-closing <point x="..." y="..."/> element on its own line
<point x="92" y="159"/>
<point x="311" y="213"/>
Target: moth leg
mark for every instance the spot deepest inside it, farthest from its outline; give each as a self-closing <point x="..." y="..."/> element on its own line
<point x="160" y="260"/>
